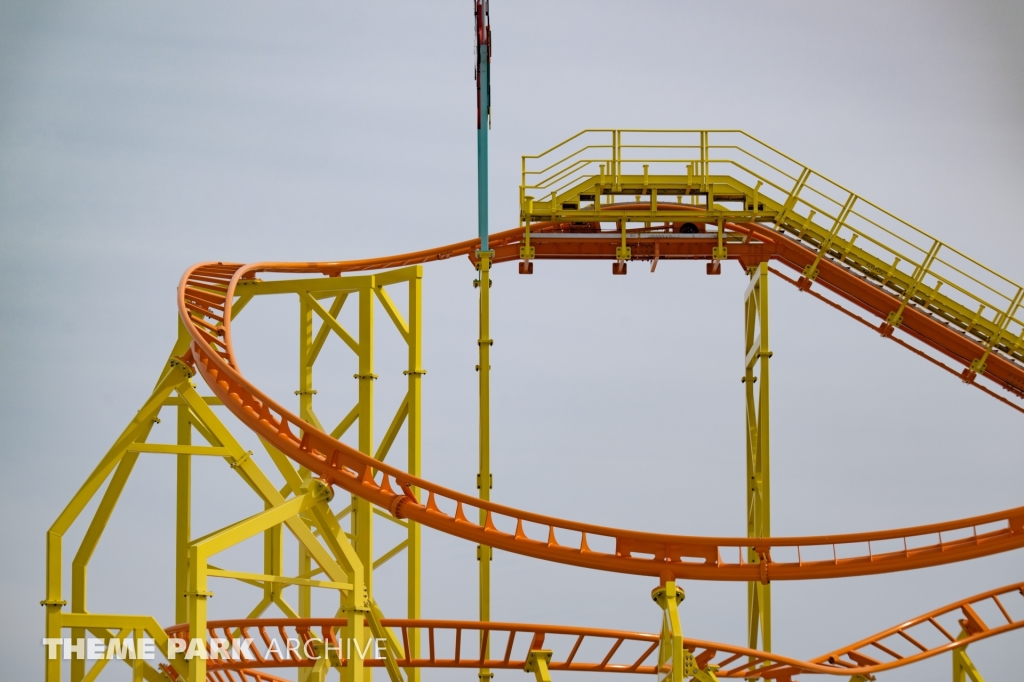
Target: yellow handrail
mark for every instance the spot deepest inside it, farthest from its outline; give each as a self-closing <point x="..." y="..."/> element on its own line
<point x="907" y="260"/>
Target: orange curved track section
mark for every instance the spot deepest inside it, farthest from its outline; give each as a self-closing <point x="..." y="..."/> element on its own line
<point x="204" y="300"/>
<point x="463" y="644"/>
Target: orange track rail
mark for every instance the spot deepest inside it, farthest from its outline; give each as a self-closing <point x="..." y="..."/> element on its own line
<point x="204" y="301"/>
<point x="229" y="675"/>
<point x="462" y="644"/>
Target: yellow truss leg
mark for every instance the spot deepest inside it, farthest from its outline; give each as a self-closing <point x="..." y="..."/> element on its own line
<point x="755" y="380"/>
<point x="80" y="564"/>
<point x="484" y="478"/>
<point x="357" y="605"/>
<point x="119" y="627"/>
<point x="174" y="374"/>
<point x="338" y="548"/>
<point x="201" y="550"/>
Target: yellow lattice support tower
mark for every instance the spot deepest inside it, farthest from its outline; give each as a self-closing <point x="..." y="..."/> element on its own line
<point x="369" y="291"/>
<point x="756" y="385"/>
<point x="301" y="506"/>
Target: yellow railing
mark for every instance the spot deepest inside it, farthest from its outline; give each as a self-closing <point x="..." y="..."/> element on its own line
<point x="840" y="224"/>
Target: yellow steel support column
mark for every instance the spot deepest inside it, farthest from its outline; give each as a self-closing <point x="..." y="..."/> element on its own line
<point x="362" y="511"/>
<point x="537" y="662"/>
<point x="183" y="516"/>
<point x="963" y="667"/>
<point x="305" y="393"/>
<point x="484" y="480"/>
<point x="414" y="429"/>
<point x="755" y="379"/>
<point x="675" y="662"/>
<point x="671" y="654"/>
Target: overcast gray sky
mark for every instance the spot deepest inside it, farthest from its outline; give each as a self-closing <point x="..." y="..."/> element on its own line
<point x="138" y="138"/>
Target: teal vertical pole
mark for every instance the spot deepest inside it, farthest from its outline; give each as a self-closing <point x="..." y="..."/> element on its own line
<point x="483" y="115"/>
<point x="481" y="145"/>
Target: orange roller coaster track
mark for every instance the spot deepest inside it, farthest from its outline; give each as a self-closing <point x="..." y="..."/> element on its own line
<point x="936" y="302"/>
<point x="207" y="290"/>
<point x="463" y="644"/>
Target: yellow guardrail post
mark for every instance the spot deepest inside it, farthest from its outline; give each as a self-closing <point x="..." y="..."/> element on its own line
<point x="895" y="318"/>
<point x="616" y="160"/>
<point x="704" y="144"/>
<point x="978" y="365"/>
<point x="811" y="271"/>
<point x="792" y="198"/>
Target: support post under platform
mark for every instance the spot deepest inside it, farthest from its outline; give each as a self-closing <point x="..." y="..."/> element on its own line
<point x="758" y="486"/>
